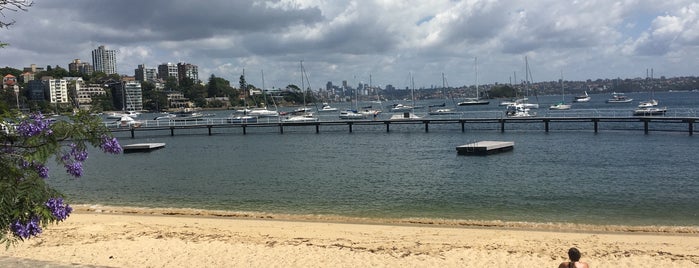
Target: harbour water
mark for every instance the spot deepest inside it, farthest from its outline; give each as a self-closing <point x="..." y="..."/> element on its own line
<point x="610" y="178"/>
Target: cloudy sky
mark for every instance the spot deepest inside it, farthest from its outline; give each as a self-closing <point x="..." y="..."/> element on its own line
<point x="353" y="39"/>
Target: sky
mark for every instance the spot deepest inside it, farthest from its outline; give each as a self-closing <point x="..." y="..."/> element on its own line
<point x="377" y="42"/>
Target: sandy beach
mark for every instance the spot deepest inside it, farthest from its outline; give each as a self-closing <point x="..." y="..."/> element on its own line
<point x="134" y="237"/>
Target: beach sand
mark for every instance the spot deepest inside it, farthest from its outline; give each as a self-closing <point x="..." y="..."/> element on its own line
<point x="132" y="237"/>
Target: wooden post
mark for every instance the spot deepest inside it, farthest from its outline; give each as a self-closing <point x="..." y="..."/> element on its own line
<point x="317" y="128"/>
<point x="172" y="131"/>
<point x="350" y="126"/>
<point x="244" y="127"/>
<point x="132" y="133"/>
<point x="546" y="125"/>
<point x="645" y="126"/>
<point x="209" y="127"/>
<point x="595" y="121"/>
<point x="427" y="126"/>
<point x="387" y="126"/>
<point x="502" y="125"/>
<point x="281" y="128"/>
<point x="463" y="127"/>
<point x="691" y="126"/>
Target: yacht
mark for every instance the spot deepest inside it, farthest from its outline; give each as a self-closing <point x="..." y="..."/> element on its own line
<point x="649" y="111"/>
<point x="582" y="98"/>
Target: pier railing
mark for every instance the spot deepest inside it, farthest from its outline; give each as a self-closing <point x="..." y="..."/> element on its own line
<point x="543" y="120"/>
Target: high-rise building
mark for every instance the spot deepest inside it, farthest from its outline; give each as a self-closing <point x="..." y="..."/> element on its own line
<point x="187" y="70"/>
<point x="145" y="74"/>
<point x="80" y="67"/>
<point x="127" y="95"/>
<point x="166" y="70"/>
<point x="104" y="60"/>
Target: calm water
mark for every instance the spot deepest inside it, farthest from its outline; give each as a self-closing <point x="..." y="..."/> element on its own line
<point x="613" y="177"/>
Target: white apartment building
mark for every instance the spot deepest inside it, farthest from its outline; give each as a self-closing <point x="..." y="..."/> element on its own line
<point x="57" y="90"/>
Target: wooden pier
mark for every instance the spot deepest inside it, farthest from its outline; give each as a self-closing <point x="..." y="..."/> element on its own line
<point x="485" y="147"/>
<point x="593" y="123"/>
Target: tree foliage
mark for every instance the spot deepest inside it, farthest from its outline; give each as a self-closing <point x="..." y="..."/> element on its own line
<point x="27" y="202"/>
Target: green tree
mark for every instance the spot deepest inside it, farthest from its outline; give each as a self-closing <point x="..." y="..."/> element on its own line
<point x="28" y="202"/>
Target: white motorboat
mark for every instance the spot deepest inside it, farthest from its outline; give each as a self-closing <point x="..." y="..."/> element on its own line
<point x="241" y="119"/>
<point x="327" y="108"/>
<point x="127" y="121"/>
<point x="350" y="114"/>
<point x="442" y="111"/>
<point x="263" y="112"/>
<point x="519" y="110"/>
<point x="619" y="98"/>
<point x="301" y="118"/>
<point x="401" y="108"/>
<point x="560" y="106"/>
<point x="119" y="115"/>
<point x="648" y="103"/>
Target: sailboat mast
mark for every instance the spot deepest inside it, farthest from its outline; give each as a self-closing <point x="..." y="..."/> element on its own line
<point x="476" y="67"/>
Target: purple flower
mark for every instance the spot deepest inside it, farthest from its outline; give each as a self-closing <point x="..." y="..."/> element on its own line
<point x="58" y="209"/>
<point x="35" y="125"/>
<point x="26" y="230"/>
<point x="42" y="170"/>
<point x="110" y="145"/>
<point x="75" y="169"/>
<point x="77" y="153"/>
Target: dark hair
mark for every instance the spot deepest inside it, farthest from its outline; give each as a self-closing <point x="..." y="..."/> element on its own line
<point x="574" y="254"/>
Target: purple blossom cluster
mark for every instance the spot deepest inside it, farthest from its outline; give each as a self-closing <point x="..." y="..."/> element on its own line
<point x="110" y="145"/>
<point x="28" y="229"/>
<point x="72" y="160"/>
<point x="39" y="167"/>
<point x="58" y="209"/>
<point x="35" y="125"/>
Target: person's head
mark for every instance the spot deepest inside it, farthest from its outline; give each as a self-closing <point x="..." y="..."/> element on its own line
<point x="574" y="254"/>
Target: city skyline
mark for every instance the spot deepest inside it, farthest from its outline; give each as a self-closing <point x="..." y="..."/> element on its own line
<point x="353" y="40"/>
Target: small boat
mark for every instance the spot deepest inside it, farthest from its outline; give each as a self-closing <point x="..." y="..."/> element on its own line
<point x="473" y="101"/>
<point x="302" y="110"/>
<point x="165" y="116"/>
<point x="118" y="115"/>
<point x="301" y="118"/>
<point x="619" y="98"/>
<point x="442" y="111"/>
<point x="127" y="121"/>
<point x="263" y="112"/>
<point x="350" y="114"/>
<point x="519" y="110"/>
<point x="327" y="108"/>
<point x="438" y="105"/>
<point x="241" y="119"/>
<point x="477" y="100"/>
<point x="401" y="108"/>
<point x="650" y="111"/>
<point x="648" y="103"/>
<point x="582" y="98"/>
<point x="560" y="106"/>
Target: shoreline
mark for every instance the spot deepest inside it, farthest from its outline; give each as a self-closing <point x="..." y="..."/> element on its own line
<point x="436" y="222"/>
<point x="149" y="238"/>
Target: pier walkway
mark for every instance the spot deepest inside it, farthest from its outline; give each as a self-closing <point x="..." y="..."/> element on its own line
<point x="545" y="123"/>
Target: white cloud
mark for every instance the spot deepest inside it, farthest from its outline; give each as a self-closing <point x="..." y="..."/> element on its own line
<point x="341" y="40"/>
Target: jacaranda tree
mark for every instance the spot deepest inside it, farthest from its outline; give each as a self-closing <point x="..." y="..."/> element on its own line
<point x="27" y="202"/>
